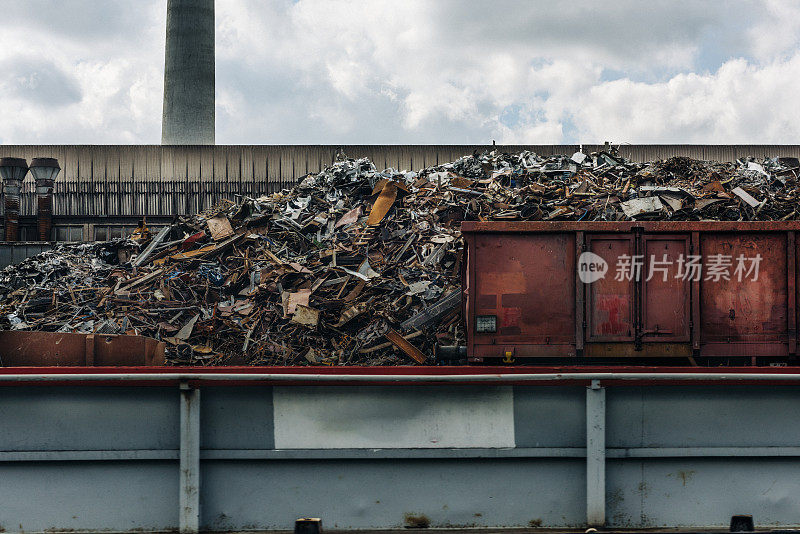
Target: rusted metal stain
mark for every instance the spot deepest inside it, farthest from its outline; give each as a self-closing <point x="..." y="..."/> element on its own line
<point x="611" y="315"/>
<point x="631" y="351"/>
<point x="40" y="349"/>
<point x="416" y="521"/>
<point x="611" y="298"/>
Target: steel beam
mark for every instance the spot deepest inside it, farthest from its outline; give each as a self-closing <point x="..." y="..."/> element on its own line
<point x="397" y="454"/>
<point x="189" y="484"/>
<point x="595" y="454"/>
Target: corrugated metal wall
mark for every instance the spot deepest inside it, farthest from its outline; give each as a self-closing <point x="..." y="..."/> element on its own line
<point x="154" y="180"/>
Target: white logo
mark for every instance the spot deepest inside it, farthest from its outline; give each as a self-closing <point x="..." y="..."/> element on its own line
<point x="591" y="267"/>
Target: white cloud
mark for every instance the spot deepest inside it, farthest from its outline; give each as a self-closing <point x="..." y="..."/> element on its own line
<point x="86" y="71"/>
<point x="449" y="71"/>
<point x="778" y="33"/>
<point x="740" y="103"/>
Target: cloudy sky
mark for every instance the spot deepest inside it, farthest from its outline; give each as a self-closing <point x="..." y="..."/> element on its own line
<point x="427" y="71"/>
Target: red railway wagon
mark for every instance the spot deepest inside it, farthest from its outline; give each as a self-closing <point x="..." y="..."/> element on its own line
<point x="709" y="291"/>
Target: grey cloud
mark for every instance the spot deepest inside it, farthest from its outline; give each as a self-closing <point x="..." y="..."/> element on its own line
<point x="85" y="20"/>
<point x="625" y="31"/>
<point x="39" y="81"/>
<point x="625" y="39"/>
<point x="287" y="112"/>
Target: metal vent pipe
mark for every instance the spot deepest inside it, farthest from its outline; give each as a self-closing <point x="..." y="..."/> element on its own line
<point x="12" y="171"/>
<point x="44" y="171"/>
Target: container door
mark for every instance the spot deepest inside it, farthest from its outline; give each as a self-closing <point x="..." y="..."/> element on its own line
<point x="744" y="301"/>
<point x="665" y="288"/>
<point x="524" y="295"/>
<point x="610" y="299"/>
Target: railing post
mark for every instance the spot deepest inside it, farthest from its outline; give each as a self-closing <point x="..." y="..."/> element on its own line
<point x="189" y="484"/>
<point x="595" y="454"/>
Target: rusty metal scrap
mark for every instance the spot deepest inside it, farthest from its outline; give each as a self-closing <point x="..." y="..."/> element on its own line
<point x="406" y="346"/>
<point x="319" y="274"/>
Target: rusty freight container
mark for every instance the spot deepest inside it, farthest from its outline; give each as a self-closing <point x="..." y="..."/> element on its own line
<point x="712" y="292"/>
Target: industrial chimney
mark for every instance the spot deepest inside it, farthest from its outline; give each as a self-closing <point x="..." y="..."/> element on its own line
<point x="189" y="74"/>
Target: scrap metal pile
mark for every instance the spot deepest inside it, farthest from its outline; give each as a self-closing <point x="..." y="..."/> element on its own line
<point x="355" y="266"/>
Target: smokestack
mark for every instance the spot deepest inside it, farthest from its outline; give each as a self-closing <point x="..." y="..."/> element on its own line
<point x="189" y="74"/>
<point x="13" y="171"/>
<point x="44" y="171"/>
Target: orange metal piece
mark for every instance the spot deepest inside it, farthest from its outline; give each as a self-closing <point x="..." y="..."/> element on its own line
<point x="382" y="204"/>
<point x="187" y="255"/>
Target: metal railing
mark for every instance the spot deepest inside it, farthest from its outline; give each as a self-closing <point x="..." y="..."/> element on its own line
<point x="349" y="378"/>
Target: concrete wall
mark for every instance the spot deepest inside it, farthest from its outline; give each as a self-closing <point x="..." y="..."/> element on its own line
<point x="107" y="458"/>
<point x="110" y="180"/>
